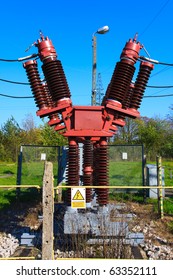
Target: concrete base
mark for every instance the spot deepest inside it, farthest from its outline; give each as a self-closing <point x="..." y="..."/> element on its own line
<point x="105" y="222"/>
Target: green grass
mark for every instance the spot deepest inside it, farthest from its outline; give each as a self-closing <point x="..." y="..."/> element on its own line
<point x="125" y="173"/>
<point x="8" y="173"/>
<point x="32" y="173"/>
<point x="170" y="226"/>
<point x="8" y="196"/>
<point x="168" y="171"/>
<point x="138" y="198"/>
<point x="167" y="205"/>
<point x="124" y="196"/>
<point x="121" y="173"/>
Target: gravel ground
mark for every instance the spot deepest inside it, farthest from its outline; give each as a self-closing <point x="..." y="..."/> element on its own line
<point x="8" y="245"/>
<point x="158" y="244"/>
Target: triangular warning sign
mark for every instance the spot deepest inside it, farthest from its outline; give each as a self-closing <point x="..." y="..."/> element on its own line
<point x="78" y="196"/>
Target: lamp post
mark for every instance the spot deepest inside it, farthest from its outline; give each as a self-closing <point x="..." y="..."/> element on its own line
<point x="101" y="30"/>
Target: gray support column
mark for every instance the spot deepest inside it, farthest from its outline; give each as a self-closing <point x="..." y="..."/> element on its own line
<point x="48" y="210"/>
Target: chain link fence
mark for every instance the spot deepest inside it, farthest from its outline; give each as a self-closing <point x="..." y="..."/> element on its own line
<point x="31" y="163"/>
<point x="126" y="166"/>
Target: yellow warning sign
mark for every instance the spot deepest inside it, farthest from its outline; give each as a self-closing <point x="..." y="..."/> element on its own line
<point x="78" y="196"/>
<point x="78" y="204"/>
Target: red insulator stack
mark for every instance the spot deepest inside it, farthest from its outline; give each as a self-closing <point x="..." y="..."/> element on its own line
<point x="40" y="90"/>
<point x="35" y="83"/>
<point x="73" y="167"/>
<point x="50" y="102"/>
<point x="140" y="83"/>
<point x="123" y="73"/>
<point x="126" y="103"/>
<point x="120" y="81"/>
<point x="95" y="164"/>
<point x="88" y="168"/>
<point x="56" y="80"/>
<point x="53" y="70"/>
<point x="102" y="193"/>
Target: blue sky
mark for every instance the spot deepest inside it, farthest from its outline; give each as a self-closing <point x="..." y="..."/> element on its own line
<point x="70" y="25"/>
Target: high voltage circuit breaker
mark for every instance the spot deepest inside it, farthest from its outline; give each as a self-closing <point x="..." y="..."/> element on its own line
<point x="90" y="125"/>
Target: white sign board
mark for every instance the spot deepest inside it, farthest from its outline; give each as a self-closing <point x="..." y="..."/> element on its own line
<point x="43" y="156"/>
<point x="78" y="197"/>
<point x="124" y="155"/>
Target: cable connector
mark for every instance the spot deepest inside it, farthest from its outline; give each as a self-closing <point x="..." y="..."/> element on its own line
<point x="149" y="59"/>
<point x="27" y="57"/>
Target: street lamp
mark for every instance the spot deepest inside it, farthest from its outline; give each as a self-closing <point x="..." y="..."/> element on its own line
<point x="101" y="30"/>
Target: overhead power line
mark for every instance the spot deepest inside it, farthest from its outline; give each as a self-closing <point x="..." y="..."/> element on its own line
<point x="157" y="96"/>
<point x="14" y="82"/>
<point x="27" y="84"/>
<point x="12" y="96"/>
<point x="155" y="17"/>
<point x="19" y="59"/>
<point x="24" y="97"/>
<point x="159" y="86"/>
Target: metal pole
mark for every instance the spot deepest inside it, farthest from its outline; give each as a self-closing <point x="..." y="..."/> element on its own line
<point x="93" y="96"/>
<point x="159" y="183"/>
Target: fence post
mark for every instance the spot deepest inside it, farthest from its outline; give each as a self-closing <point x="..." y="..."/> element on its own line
<point x="144" y="177"/>
<point x="19" y="172"/>
<point x="48" y="210"/>
<point x="159" y="183"/>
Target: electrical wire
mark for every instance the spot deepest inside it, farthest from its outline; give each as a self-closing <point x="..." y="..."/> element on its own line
<point x="155" y="61"/>
<point x="12" y="96"/>
<point x="154" y="18"/>
<point x="22" y="97"/>
<point x="157" y="96"/>
<point x="166" y="68"/>
<point x="164" y="63"/>
<point x="8" y="60"/>
<point x="19" y="59"/>
<point x="159" y="86"/>
<point x="13" y="82"/>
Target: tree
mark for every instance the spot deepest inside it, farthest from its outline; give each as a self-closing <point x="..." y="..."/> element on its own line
<point x="152" y="132"/>
<point x="10" y="139"/>
<point x="50" y="137"/>
<point x="128" y="133"/>
<point x="28" y="123"/>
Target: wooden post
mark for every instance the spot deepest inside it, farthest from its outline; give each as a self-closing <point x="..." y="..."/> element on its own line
<point x="48" y="210"/>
